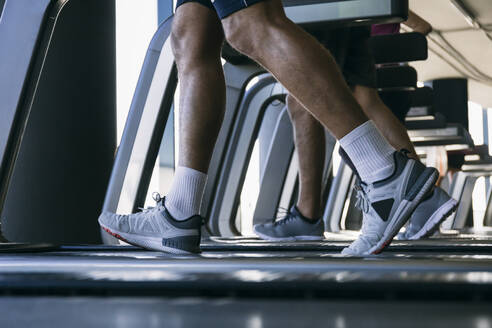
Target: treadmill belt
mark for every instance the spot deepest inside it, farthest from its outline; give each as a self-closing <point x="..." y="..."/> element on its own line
<point x="456" y="244"/>
<point x="132" y="271"/>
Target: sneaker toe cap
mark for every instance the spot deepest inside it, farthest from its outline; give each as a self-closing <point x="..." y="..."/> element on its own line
<point x="259" y="228"/>
<point x="106" y="218"/>
<point x="348" y="252"/>
<point x="114" y="221"/>
<point x="264" y="229"/>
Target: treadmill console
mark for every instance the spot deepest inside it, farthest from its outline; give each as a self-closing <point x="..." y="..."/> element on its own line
<point x="317" y="16"/>
<point x="345" y="12"/>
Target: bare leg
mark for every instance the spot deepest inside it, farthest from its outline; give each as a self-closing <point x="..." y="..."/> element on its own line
<point x="197" y="38"/>
<point x="390" y="127"/>
<point x="310" y="145"/>
<point x="298" y="61"/>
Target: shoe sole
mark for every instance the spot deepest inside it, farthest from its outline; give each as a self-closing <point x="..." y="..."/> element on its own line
<point x="291" y="238"/>
<point x="151" y="243"/>
<point x="436" y="219"/>
<point x="407" y="206"/>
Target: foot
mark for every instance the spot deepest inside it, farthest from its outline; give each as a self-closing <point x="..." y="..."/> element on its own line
<point x="155" y="229"/>
<point x="429" y="215"/>
<point x="388" y="204"/>
<point x="293" y="227"/>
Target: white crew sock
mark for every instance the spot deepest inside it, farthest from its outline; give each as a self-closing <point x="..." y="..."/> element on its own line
<point x="185" y="197"/>
<point x="370" y="153"/>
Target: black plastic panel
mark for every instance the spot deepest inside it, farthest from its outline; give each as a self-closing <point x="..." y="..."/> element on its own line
<point x="397" y="77"/>
<point x="405" y="47"/>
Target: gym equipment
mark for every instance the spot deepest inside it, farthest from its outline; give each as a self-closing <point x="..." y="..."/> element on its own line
<point x="453" y="136"/>
<point x="451" y="99"/>
<point x="435" y="121"/>
<point x="394" y="48"/>
<point x="58" y="126"/>
<point x="397" y="77"/>
<point x="150" y="108"/>
<point x="436" y="270"/>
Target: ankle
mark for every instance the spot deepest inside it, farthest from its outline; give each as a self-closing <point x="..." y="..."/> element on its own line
<point x="184" y="199"/>
<point x="308" y="211"/>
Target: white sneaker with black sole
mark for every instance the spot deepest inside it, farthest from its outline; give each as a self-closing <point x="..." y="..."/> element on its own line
<point x="429" y="215"/>
<point x="155" y="229"/>
<point x="388" y="204"/>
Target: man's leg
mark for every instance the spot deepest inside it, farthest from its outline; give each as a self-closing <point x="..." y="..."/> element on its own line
<point x="174" y="225"/>
<point x="391" y="128"/>
<point x="311" y="75"/>
<point x="393" y="184"/>
<point x="310" y="143"/>
<point x="298" y="61"/>
<point x="303" y="221"/>
<point x="311" y="147"/>
<point x="197" y="39"/>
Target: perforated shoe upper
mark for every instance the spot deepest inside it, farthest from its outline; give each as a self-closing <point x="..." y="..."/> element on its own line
<point x="152" y="222"/>
<point x="381" y="200"/>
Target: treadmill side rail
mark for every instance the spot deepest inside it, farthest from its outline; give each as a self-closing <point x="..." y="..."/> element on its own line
<point x="148" y="115"/>
<point x="21" y="27"/>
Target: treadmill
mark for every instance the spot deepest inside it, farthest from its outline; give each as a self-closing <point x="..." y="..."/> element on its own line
<point x="58" y="109"/>
<point x="224" y="271"/>
<point x="250" y="93"/>
<point x="153" y="97"/>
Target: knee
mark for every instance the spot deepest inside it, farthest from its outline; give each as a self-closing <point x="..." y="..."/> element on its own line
<point x="251" y="34"/>
<point x="179" y="39"/>
<point x="192" y="44"/>
<point x="240" y="37"/>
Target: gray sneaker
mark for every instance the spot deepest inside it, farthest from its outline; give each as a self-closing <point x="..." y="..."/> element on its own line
<point x="429" y="215"/>
<point x="388" y="204"/>
<point x="155" y="229"/>
<point x="293" y="227"/>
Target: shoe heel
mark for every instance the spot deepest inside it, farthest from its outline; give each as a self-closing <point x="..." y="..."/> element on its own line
<point x="189" y="244"/>
<point x="429" y="173"/>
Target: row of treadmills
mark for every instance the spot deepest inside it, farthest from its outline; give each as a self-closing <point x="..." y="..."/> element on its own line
<point x="236" y="281"/>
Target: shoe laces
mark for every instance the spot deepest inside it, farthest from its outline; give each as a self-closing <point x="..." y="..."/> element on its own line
<point x="286" y="219"/>
<point x="282" y="213"/>
<point x="370" y="228"/>
<point x="159" y="204"/>
<point x="362" y="202"/>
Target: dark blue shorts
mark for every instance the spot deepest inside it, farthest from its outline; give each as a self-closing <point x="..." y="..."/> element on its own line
<point x="223" y="8"/>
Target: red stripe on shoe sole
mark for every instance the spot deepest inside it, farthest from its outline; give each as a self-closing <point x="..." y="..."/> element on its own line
<point x="117" y="236"/>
